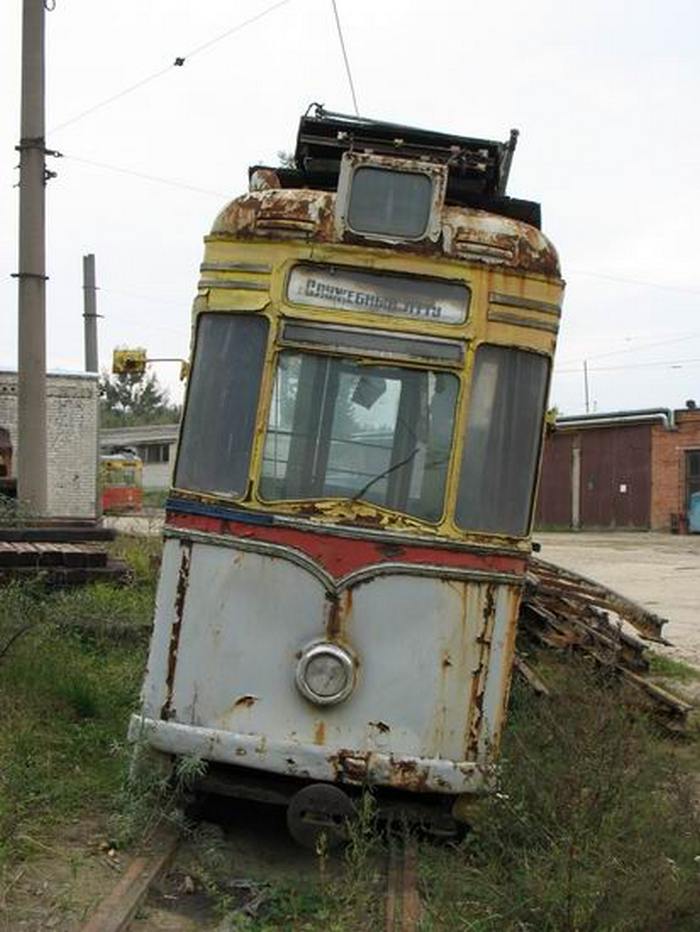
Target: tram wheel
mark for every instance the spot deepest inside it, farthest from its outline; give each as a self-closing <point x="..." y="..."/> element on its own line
<point x="319" y="810"/>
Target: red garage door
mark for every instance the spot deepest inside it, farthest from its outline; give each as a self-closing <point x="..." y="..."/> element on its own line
<point x="616" y="477"/>
<point x="554" y="493"/>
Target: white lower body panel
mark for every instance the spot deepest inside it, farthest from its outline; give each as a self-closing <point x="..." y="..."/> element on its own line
<point x="434" y="649"/>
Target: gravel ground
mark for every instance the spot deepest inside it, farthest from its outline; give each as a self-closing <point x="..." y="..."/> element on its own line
<point x="660" y="571"/>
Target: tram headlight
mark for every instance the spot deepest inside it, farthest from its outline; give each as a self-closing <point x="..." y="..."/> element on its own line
<point x="325" y="673"/>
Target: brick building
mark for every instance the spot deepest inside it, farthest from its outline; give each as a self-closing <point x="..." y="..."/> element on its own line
<point x="625" y="469"/>
<point x="675" y="469"/>
<point x="71" y="414"/>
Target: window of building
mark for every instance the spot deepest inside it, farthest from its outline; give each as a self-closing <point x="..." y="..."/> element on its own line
<point x="692" y="473"/>
<point x="154" y="452"/>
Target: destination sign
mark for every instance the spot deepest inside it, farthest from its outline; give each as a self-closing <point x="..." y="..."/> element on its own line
<point x="343" y="289"/>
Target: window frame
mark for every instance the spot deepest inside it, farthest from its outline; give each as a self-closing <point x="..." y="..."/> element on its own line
<point x="255" y="413"/>
<point x="351" y="161"/>
<point x="378" y="363"/>
<point x="463" y="447"/>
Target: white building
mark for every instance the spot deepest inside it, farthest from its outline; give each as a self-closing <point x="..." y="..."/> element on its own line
<point x="154" y="443"/>
<point x="71" y="416"/>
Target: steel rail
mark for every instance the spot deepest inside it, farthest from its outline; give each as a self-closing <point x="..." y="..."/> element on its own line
<point x="402" y="903"/>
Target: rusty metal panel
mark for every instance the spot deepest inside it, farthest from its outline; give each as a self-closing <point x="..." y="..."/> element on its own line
<point x="432" y="674"/>
<point x="554" y="493"/>
<point x="616" y="477"/>
<point x="309" y="215"/>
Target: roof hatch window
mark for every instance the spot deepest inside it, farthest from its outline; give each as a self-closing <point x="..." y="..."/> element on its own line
<point x="389" y="203"/>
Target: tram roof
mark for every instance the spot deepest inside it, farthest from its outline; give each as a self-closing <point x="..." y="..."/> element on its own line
<point x="478" y="169"/>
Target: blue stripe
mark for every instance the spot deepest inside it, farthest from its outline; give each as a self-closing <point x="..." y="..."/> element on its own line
<point x="185" y="506"/>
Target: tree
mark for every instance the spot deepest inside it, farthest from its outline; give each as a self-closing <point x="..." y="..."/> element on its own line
<point x="132" y="398"/>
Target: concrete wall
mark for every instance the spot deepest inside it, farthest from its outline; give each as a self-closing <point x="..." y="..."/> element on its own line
<point x="668" y="464"/>
<point x="158" y="475"/>
<point x="72" y="439"/>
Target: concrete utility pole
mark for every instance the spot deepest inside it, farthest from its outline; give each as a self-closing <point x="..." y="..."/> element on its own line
<point x="31" y="459"/>
<point x="90" y="314"/>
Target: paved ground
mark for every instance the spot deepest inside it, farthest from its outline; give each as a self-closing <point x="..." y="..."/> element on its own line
<point x="660" y="571"/>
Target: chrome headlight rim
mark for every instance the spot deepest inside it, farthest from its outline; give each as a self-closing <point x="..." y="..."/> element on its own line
<point x="325" y="648"/>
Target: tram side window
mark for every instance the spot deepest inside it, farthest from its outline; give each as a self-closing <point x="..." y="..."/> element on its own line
<point x="502" y="441"/>
<point x="222" y="401"/>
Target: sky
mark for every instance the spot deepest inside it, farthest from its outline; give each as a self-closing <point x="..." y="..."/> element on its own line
<point x="605" y="95"/>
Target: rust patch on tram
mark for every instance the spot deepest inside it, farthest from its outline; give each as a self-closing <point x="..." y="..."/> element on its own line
<point x="338" y="611"/>
<point x="183" y="578"/>
<point x="476" y="711"/>
<point x="471" y="234"/>
<point x="381" y="727"/>
<point x="246" y="702"/>
<point x="408" y="775"/>
<point x="350" y="765"/>
<point x="320" y="733"/>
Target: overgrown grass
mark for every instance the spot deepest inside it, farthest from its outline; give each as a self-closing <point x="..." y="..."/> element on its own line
<point x="71" y="664"/>
<point x="659" y="665"/>
<point x="594" y="827"/>
<point x="142" y="555"/>
<point x="155" y="498"/>
<point x="343" y="892"/>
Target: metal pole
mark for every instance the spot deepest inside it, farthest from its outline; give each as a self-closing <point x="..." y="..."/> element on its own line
<point x="90" y="313"/>
<point x="585" y="382"/>
<point x="31" y="454"/>
<point x="90" y="316"/>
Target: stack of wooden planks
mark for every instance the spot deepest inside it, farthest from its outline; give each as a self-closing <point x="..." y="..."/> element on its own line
<point x="63" y="556"/>
<point x="564" y="611"/>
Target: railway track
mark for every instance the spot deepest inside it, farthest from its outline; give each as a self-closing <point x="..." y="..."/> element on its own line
<point x="402" y="903"/>
<point x="116" y="912"/>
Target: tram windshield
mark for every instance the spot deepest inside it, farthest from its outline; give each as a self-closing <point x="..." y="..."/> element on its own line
<point x="340" y="428"/>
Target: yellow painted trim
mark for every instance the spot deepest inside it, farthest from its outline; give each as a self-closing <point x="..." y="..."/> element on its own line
<point x="225" y="260"/>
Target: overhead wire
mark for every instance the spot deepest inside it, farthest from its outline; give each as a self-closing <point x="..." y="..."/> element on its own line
<point x="635" y="281"/>
<point x="345" y="57"/>
<point x="681" y="338"/>
<point x="670" y="363"/>
<point x="177" y="63"/>
<point x="146" y="177"/>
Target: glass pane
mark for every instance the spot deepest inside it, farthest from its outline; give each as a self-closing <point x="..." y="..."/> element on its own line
<point x="344" y="429"/>
<point x="390" y="202"/>
<point x="222" y="401"/>
<point x="502" y="440"/>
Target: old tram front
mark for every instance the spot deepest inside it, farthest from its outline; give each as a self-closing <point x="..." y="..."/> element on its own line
<point x="347" y="533"/>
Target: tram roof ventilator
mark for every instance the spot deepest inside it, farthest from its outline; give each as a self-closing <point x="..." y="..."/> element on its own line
<point x="478" y="169"/>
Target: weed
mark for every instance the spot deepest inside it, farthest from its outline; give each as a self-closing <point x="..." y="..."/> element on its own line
<point x="660" y="665"/>
<point x="591" y="829"/>
<point x="142" y="554"/>
<point x="66" y="698"/>
<point x="363" y="848"/>
<point x="155" y="498"/>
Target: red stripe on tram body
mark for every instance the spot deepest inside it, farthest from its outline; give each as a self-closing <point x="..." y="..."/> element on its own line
<point x="340" y="555"/>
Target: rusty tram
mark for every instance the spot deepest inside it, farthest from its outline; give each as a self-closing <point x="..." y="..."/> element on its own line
<point x="349" y="524"/>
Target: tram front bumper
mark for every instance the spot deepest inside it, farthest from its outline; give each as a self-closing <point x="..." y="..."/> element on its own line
<point x="308" y="761"/>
